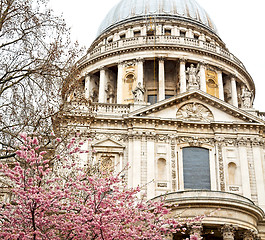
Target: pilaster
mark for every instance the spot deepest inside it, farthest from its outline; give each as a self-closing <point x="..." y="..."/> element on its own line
<point x="202" y="77"/>
<point x="87" y="85"/>
<point x="182" y="75"/>
<point x="220" y="85"/>
<point x="161" y="93"/>
<point x="150" y="167"/>
<point x="140" y="71"/>
<point x="102" y="85"/>
<point x="234" y="91"/>
<point x="119" y="83"/>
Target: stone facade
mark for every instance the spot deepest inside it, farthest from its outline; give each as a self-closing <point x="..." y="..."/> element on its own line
<point x="156" y="98"/>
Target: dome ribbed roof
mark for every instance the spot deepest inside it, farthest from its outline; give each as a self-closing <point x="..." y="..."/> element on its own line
<point x="127" y="10"/>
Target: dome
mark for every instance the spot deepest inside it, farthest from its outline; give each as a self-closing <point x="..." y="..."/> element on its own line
<point x="129" y="10"/>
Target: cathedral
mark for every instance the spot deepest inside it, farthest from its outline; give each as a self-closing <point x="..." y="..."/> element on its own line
<point x="158" y="90"/>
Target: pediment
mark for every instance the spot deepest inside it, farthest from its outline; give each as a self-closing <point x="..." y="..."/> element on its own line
<point x="108" y="143"/>
<point x="196" y="106"/>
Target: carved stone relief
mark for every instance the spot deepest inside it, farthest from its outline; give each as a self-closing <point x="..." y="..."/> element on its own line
<point x="195" y="112"/>
<point x="173" y="164"/>
<point x="221" y="167"/>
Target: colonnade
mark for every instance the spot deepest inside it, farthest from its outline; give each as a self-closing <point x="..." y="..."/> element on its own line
<point x="227" y="232"/>
<point x="183" y="85"/>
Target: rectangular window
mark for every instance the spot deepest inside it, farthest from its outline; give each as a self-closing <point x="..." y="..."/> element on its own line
<point x="122" y="36"/>
<point x="167" y="32"/>
<point x="137" y="33"/>
<point x="151" y="32"/>
<point x="182" y="33"/>
<point x="196" y="168"/>
<point x="152" y="99"/>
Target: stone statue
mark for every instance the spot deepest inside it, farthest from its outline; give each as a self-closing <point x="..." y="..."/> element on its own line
<point x="246" y="97"/>
<point x="110" y="94"/>
<point x="138" y="93"/>
<point x="193" y="78"/>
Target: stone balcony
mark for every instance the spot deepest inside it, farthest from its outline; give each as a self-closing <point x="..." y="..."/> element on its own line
<point x="171" y="41"/>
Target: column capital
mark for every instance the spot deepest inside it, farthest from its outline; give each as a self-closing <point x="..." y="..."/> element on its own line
<point x="120" y="62"/>
<point x="228" y="231"/>
<point x="196" y="229"/>
<point x="233" y="76"/>
<point x="219" y="69"/>
<point x="140" y="59"/>
<point x="87" y="75"/>
<point x="182" y="60"/>
<point x="250" y="234"/>
<point x="202" y="64"/>
<point x="102" y="68"/>
<point x="161" y="59"/>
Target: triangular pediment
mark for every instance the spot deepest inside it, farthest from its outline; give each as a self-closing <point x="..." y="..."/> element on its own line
<point x="107" y="142"/>
<point x="196" y="106"/>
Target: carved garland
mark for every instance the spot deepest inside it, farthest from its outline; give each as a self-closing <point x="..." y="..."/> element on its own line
<point x="173" y="163"/>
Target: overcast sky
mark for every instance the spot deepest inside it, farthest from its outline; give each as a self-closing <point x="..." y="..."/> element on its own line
<point x="240" y="25"/>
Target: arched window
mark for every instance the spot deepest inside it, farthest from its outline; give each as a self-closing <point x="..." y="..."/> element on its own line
<point x="196" y="168"/>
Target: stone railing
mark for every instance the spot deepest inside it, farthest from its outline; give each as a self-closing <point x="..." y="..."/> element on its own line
<point x="96" y="108"/>
<point x="153" y="40"/>
<point x="110" y="109"/>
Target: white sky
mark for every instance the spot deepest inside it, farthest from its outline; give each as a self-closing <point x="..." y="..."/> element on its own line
<point x="240" y="25"/>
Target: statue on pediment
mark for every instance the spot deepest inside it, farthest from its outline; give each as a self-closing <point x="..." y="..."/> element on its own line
<point x="138" y="93"/>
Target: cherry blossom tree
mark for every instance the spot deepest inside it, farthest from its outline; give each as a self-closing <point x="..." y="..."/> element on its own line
<point x="69" y="203"/>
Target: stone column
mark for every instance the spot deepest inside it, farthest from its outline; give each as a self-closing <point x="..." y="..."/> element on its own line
<point x="220" y="85"/>
<point x="234" y="91"/>
<point x="182" y="76"/>
<point x="140" y="71"/>
<point x="202" y="77"/>
<point x="228" y="232"/>
<point x="102" y="85"/>
<point x="87" y="85"/>
<point x="119" y="83"/>
<point x="161" y="93"/>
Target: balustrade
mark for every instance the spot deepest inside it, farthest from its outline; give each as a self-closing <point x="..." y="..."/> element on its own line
<point x="152" y="40"/>
<point x="112" y="109"/>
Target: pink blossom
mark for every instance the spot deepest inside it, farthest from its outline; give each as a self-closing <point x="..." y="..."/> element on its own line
<point x="76" y="206"/>
<point x="23" y="135"/>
